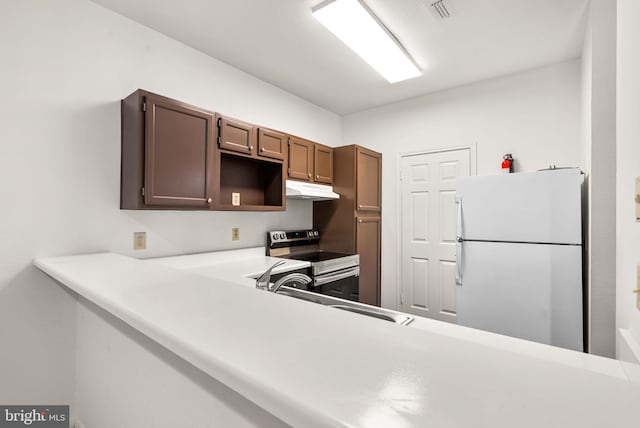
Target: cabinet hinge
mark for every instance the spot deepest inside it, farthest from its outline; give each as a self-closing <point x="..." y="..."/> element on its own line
<point x="218" y="140"/>
<point x="219" y="122"/>
<point x="144" y="106"/>
<point x="142" y="191"/>
<point x="288" y="170"/>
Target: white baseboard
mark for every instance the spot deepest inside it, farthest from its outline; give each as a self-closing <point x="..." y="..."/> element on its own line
<point x="628" y="348"/>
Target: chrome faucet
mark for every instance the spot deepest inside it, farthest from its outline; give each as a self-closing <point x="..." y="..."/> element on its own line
<point x="292" y="278"/>
<point x="264" y="281"/>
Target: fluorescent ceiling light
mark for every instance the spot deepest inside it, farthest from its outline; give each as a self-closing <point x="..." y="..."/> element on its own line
<point x="354" y="23"/>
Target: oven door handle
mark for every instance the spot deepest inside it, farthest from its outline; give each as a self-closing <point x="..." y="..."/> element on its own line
<point x="325" y="279"/>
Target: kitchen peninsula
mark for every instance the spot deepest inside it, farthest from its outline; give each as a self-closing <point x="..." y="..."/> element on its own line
<point x="314" y="366"/>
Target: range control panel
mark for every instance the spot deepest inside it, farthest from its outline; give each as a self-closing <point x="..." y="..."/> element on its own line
<point x="283" y="238"/>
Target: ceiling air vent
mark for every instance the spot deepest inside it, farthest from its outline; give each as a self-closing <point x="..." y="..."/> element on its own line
<point x="440" y="8"/>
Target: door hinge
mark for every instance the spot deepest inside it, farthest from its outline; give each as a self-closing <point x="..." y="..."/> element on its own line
<point x="144" y="106"/>
<point x="142" y="191"/>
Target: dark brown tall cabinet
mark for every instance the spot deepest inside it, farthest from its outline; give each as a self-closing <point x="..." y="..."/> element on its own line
<point x="352" y="223"/>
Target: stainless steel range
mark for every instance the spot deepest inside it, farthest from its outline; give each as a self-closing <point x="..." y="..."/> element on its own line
<point x="334" y="274"/>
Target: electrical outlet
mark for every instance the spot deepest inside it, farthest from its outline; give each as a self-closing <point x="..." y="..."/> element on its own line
<point x="139" y="240"/>
<point x="637" y="290"/>
<point x="637" y="199"/>
<point x="235" y="233"/>
<point x="235" y="199"/>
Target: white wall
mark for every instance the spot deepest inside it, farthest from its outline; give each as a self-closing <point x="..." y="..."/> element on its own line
<point x="125" y="369"/>
<point x="599" y="164"/>
<point x="534" y="115"/>
<point x="628" y="168"/>
<point x="65" y="66"/>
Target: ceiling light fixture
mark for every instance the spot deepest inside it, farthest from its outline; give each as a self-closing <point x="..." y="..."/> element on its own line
<point x="356" y="25"/>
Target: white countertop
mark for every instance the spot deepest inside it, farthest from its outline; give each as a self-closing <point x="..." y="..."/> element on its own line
<point x="239" y="266"/>
<point x="315" y="366"/>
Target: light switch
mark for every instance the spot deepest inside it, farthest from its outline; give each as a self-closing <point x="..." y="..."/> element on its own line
<point x="235" y="199"/>
<point x="638" y="199"/>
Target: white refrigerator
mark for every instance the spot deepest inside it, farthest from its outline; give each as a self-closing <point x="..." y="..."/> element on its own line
<point x="519" y="255"/>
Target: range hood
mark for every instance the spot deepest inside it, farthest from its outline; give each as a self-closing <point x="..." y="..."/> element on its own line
<point x="310" y="191"/>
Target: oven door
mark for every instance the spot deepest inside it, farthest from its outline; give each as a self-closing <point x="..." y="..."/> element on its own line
<point x="342" y="284"/>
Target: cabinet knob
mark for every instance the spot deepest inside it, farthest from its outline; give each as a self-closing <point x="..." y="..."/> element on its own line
<point x="250" y="147"/>
<point x="309" y="175"/>
<point x="317" y="176"/>
<point x="360" y="221"/>
<point x="209" y="200"/>
<point x="262" y="149"/>
<point x="360" y="207"/>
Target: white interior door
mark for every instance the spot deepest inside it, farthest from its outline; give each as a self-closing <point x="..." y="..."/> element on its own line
<point x="428" y="229"/>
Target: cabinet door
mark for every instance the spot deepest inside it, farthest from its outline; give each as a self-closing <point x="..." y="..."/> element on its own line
<point x="368" y="179"/>
<point x="272" y="144"/>
<point x="368" y="245"/>
<point x="178" y="155"/>
<point x="323" y="164"/>
<point x="300" y="159"/>
<point x="236" y="136"/>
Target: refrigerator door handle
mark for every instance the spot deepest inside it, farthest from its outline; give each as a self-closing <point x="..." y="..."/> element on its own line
<point x="458" y="240"/>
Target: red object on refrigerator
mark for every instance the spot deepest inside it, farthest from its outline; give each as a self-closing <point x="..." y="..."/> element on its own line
<point x="507" y="163"/>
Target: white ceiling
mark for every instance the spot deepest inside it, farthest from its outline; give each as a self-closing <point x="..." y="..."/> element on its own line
<point x="280" y="42"/>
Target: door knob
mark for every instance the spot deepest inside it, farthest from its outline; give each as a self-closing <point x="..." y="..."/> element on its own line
<point x="209" y="200"/>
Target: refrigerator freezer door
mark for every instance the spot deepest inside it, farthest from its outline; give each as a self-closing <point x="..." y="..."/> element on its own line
<point x="530" y="291"/>
<point x="542" y="206"/>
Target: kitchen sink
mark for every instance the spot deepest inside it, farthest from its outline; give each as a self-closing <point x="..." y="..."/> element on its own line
<point x="347" y="305"/>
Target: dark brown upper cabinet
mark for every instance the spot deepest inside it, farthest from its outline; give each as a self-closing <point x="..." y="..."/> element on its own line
<point x="309" y="161"/>
<point x="300" y="159"/>
<point x="323" y="164"/>
<point x="167" y="154"/>
<point x="236" y="136"/>
<point x="272" y="144"/>
<point x="252" y="163"/>
<point x="369" y="174"/>
<point x="181" y="157"/>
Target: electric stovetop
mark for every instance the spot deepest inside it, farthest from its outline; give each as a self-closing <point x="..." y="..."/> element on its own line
<point x="315" y="256"/>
